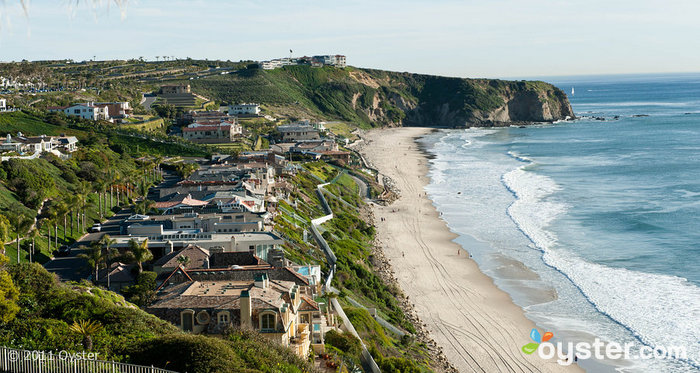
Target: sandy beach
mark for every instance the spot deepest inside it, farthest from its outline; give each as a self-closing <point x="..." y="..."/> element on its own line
<point x="477" y="324"/>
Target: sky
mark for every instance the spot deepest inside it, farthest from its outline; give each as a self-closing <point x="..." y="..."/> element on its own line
<point x="484" y="38"/>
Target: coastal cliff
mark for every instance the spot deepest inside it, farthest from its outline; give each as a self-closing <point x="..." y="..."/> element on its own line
<point x="372" y="98"/>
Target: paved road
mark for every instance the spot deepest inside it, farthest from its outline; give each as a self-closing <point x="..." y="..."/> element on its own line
<point x="147" y="100"/>
<point x="72" y="268"/>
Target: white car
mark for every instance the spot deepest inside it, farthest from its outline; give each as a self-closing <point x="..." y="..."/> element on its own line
<point x="97" y="227"/>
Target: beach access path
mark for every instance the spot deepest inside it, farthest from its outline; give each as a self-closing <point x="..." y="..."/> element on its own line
<point x="478" y="326"/>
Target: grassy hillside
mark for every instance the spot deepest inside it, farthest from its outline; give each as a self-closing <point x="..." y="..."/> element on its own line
<point x="374" y="97"/>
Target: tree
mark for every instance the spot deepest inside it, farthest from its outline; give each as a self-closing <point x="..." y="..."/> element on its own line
<point x="95" y="258"/>
<point x="143" y="291"/>
<point x="183" y="260"/>
<point x="139" y="252"/>
<point x="20" y="221"/>
<point x="144" y="206"/>
<point x="86" y="329"/>
<point x="34" y="234"/>
<point x="8" y="294"/>
<point x="5" y="227"/>
<point x="107" y="242"/>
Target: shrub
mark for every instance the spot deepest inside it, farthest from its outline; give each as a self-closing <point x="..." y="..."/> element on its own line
<point x="188" y="353"/>
<point x="345" y="342"/>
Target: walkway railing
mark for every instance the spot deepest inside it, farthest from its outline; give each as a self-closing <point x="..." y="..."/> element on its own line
<point x="367" y="359"/>
<point x="24" y="361"/>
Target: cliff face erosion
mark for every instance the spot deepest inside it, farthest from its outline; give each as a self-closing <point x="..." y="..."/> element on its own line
<point x="372" y="98"/>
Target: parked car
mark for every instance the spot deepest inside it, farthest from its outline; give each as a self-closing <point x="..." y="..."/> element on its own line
<point x="64" y="250"/>
<point x="97" y="227"/>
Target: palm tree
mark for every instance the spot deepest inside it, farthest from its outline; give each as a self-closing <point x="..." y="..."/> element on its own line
<point x="71" y="203"/>
<point x="95" y="257"/>
<point x="5" y="227"/>
<point x="33" y="234"/>
<point x="62" y="212"/>
<point x="107" y="242"/>
<point x="143" y="207"/>
<point x="183" y="260"/>
<point x="140" y="252"/>
<point x="86" y="329"/>
<point x="21" y="223"/>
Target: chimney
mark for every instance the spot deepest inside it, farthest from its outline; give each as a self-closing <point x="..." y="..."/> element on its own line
<point x="206" y="263"/>
<point x="261" y="280"/>
<point x="246" y="310"/>
<point x="168" y="246"/>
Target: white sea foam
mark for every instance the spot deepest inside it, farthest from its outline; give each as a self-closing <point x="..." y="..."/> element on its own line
<point x="660" y="310"/>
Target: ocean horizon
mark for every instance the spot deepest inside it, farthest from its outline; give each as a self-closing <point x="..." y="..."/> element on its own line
<point x="590" y="225"/>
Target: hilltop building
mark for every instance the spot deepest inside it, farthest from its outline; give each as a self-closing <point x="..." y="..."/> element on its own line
<point x="337" y="60"/>
<point x="244" y="109"/>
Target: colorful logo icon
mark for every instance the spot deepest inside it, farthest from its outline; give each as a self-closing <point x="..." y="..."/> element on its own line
<point x="537" y="338"/>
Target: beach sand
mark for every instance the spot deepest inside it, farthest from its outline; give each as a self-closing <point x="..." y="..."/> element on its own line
<point x="478" y="326"/>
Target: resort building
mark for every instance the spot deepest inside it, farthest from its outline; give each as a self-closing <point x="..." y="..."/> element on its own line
<point x="210" y="301"/>
<point x="162" y="242"/>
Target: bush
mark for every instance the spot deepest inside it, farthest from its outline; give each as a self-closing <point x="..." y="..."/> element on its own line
<point x="345" y="342"/>
<point x="188" y="353"/>
<point x="143" y="291"/>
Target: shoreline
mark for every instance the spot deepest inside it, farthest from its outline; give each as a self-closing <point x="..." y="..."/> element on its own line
<point x="477" y="325"/>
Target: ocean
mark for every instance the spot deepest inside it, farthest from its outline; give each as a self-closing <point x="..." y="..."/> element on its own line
<point x="592" y="226"/>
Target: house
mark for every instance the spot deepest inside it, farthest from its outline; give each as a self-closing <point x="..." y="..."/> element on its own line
<point x="36" y="144"/>
<point x="116" y="110"/>
<point x="178" y="202"/>
<point x="213" y="223"/>
<point x="9" y="144"/>
<point x="276" y="302"/>
<point x="298" y="132"/>
<point x="199" y="258"/>
<point x="337" y="60"/>
<point x="120" y="276"/>
<point x="3" y="104"/>
<point x="162" y="242"/>
<point x="270" y="307"/>
<point x="86" y="110"/>
<point x="320" y="145"/>
<point x="244" y="109"/>
<point x="221" y="132"/>
<point x="67" y="144"/>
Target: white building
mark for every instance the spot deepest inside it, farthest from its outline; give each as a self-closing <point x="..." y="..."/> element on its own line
<point x="87" y="110"/>
<point x="244" y="109"/>
<point x="3" y="104"/>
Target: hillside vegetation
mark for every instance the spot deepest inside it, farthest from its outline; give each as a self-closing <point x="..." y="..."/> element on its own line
<point x="362" y="97"/>
<point x="375" y="97"/>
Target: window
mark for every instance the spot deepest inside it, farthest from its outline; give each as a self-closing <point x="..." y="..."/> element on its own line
<point x="267" y="321"/>
<point x="223" y="318"/>
<point x="187" y="320"/>
<point x="203" y="318"/>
